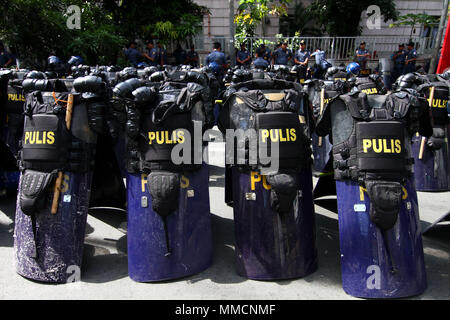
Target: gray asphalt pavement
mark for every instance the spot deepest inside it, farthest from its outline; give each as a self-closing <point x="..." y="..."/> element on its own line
<point x="104" y="270"/>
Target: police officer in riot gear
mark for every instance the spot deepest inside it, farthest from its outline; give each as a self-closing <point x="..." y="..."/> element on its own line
<point x="371" y="84"/>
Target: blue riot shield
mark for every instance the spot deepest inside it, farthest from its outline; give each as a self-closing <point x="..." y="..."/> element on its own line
<point x="272" y="246"/>
<point x="378" y="264"/>
<point x="188" y="230"/>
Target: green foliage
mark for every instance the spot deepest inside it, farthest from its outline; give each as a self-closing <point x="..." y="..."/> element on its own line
<point x="413" y="20"/>
<point x="37" y="28"/>
<point x="166" y="20"/>
<point x="299" y="22"/>
<point x="189" y="25"/>
<point x="342" y="17"/>
<point x="252" y="12"/>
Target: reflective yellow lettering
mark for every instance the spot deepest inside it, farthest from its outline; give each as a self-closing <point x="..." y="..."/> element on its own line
<point x="361" y="193"/>
<point x="37" y="138"/>
<point x="398" y="146"/>
<point x="151" y="137"/>
<point x="27" y="136"/>
<point x="282" y="139"/>
<point x="168" y="141"/>
<point x="50" y="137"/>
<point x="377" y="148"/>
<point x="265" y="184"/>
<point x="180" y="135"/>
<point x="254" y="177"/>
<point x="65" y="183"/>
<point x="264" y="135"/>
<point x="367" y="143"/>
<point x="143" y="182"/>
<point x="184" y="183"/>
<point x="32" y="137"/>
<point x="386" y="149"/>
<point x="293" y="135"/>
<point x="405" y="193"/>
<point x="272" y="134"/>
<point x="287" y="135"/>
<point x="159" y="137"/>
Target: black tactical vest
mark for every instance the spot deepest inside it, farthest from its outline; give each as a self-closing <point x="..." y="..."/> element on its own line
<point x="371" y="134"/>
<point x="271" y="108"/>
<point x="371" y="145"/>
<point x="161" y="117"/>
<point x="47" y="145"/>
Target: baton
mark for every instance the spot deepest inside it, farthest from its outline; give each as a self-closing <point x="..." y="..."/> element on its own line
<point x="422" y="142"/>
<point x="322" y="98"/>
<point x="58" y="182"/>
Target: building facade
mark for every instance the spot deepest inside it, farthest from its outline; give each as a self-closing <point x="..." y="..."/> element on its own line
<point x="383" y="39"/>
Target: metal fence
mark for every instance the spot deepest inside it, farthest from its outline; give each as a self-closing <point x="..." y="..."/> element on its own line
<point x="337" y="48"/>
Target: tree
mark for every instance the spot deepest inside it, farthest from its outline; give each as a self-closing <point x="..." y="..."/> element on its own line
<point x="37" y="28"/>
<point x="301" y="21"/>
<point x="162" y="19"/>
<point x="252" y="12"/>
<point x="412" y="20"/>
<point x="342" y="17"/>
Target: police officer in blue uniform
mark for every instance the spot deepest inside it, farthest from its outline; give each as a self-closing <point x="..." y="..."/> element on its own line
<point x="132" y="54"/>
<point x="399" y="62"/>
<point x="151" y="54"/>
<point x="410" y="59"/>
<point x="265" y="52"/>
<point x="192" y="57"/>
<point x="217" y="57"/>
<point x="161" y="54"/>
<point x="5" y="58"/>
<point x="282" y="55"/>
<point x="180" y="55"/>
<point x="362" y="55"/>
<point x="260" y="62"/>
<point x="301" y="58"/>
<point x="321" y="65"/>
<point x="243" y="58"/>
<point x="302" y="55"/>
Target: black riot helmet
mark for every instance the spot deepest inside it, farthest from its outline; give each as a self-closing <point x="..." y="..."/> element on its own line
<point x="35" y="75"/>
<point x="330" y="72"/>
<point x="446" y="75"/>
<point x="404" y="81"/>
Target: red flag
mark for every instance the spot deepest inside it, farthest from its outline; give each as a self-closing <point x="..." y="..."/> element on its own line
<point x="444" y="60"/>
